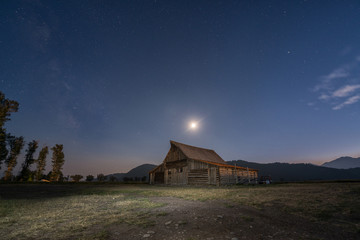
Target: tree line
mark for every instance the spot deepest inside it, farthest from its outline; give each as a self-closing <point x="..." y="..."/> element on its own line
<point x="11" y="146"/>
<point x="101" y="178"/>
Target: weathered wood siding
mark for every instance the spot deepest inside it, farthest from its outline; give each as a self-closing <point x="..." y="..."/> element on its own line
<point x="198" y="177"/>
<point x="193" y="164"/>
<point x="201" y="173"/>
<point x="174" y="154"/>
<point x="177" y="169"/>
<point x="176" y="172"/>
<point x="236" y="176"/>
<point x="176" y="176"/>
<point x="213" y="175"/>
<point x="227" y="176"/>
<point x="157" y="176"/>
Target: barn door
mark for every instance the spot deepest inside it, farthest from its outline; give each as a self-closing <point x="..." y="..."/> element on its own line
<point x="212" y="176"/>
<point x="159" y="177"/>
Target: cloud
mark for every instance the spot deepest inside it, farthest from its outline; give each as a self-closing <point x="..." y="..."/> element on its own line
<point x="345" y="90"/>
<point x="324" y="97"/>
<point x="337" y="73"/>
<point x="349" y="101"/>
<point x="342" y="82"/>
<point x="326" y="81"/>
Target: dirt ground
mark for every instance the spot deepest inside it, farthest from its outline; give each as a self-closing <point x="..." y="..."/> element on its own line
<point x="184" y="219"/>
<point x="126" y="211"/>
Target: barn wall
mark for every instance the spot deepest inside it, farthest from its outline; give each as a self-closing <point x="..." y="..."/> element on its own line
<point x="213" y="175"/>
<point x="197" y="165"/>
<point x="154" y="175"/>
<point x="234" y="176"/>
<point x="201" y="173"/>
<point x="227" y="176"/>
<point x="176" y="176"/>
<point x="174" y="154"/>
<point x="178" y="170"/>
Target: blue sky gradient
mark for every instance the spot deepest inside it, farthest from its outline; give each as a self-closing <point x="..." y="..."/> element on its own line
<point x="114" y="81"/>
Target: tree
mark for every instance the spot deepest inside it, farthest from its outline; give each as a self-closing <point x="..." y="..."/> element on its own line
<point x="128" y="179"/>
<point x="6" y="108"/>
<point x="16" y="144"/>
<point x="41" y="162"/>
<point x="3" y="150"/>
<point x="77" y="177"/>
<point x="112" y="178"/>
<point x="57" y="162"/>
<point x="89" y="178"/>
<point x="101" y="177"/>
<point x="25" y="172"/>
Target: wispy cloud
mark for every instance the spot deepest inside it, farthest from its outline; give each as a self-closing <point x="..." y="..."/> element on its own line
<point x="342" y="82"/>
<point x="346" y="90"/>
<point x="326" y="81"/>
<point x="349" y="101"/>
<point x="324" y="97"/>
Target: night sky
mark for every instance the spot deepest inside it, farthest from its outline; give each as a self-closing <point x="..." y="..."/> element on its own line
<point x="114" y="81"/>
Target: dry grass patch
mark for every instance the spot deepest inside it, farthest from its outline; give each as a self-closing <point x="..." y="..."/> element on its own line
<point x="72" y="216"/>
<point x="337" y="203"/>
<point x="77" y="211"/>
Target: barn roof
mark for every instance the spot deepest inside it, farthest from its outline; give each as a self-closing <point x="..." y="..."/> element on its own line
<point x="229" y="166"/>
<point x="197" y="153"/>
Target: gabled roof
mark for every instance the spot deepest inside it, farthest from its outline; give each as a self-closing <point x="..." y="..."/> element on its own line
<point x="229" y="166"/>
<point x="197" y="153"/>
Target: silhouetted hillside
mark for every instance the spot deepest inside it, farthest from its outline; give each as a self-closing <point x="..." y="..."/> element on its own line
<point x="299" y="171"/>
<point x="343" y="163"/>
<point x="140" y="171"/>
<point x="137" y="172"/>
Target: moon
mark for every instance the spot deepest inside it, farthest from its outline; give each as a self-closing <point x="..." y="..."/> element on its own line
<point x="193" y="125"/>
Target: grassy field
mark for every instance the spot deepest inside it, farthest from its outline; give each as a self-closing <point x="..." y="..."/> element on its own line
<point x="83" y="211"/>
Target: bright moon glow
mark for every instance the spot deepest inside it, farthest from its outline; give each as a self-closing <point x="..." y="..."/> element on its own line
<point x="193" y="125"/>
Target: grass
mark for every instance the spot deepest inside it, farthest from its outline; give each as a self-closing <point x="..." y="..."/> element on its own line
<point x="30" y="211"/>
<point x="74" y="215"/>
<point x="335" y="202"/>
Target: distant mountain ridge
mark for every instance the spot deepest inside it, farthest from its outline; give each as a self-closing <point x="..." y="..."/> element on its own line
<point x="343" y="163"/>
<point x="137" y="172"/>
<point x="299" y="171"/>
<point x="278" y="171"/>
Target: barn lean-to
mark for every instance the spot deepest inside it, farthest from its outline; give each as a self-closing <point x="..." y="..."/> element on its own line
<point x="189" y="165"/>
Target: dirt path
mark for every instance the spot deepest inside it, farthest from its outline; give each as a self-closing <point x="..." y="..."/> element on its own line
<point x="183" y="219"/>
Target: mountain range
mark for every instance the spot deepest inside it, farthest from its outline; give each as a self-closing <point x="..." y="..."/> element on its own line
<point x="299" y="171"/>
<point x="338" y="169"/>
<point x="137" y="172"/>
<point x="343" y="163"/>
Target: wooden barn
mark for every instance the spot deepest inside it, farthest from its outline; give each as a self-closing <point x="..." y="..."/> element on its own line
<point x="189" y="165"/>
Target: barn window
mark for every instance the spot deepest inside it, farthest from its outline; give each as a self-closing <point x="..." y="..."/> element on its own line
<point x="180" y="170"/>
